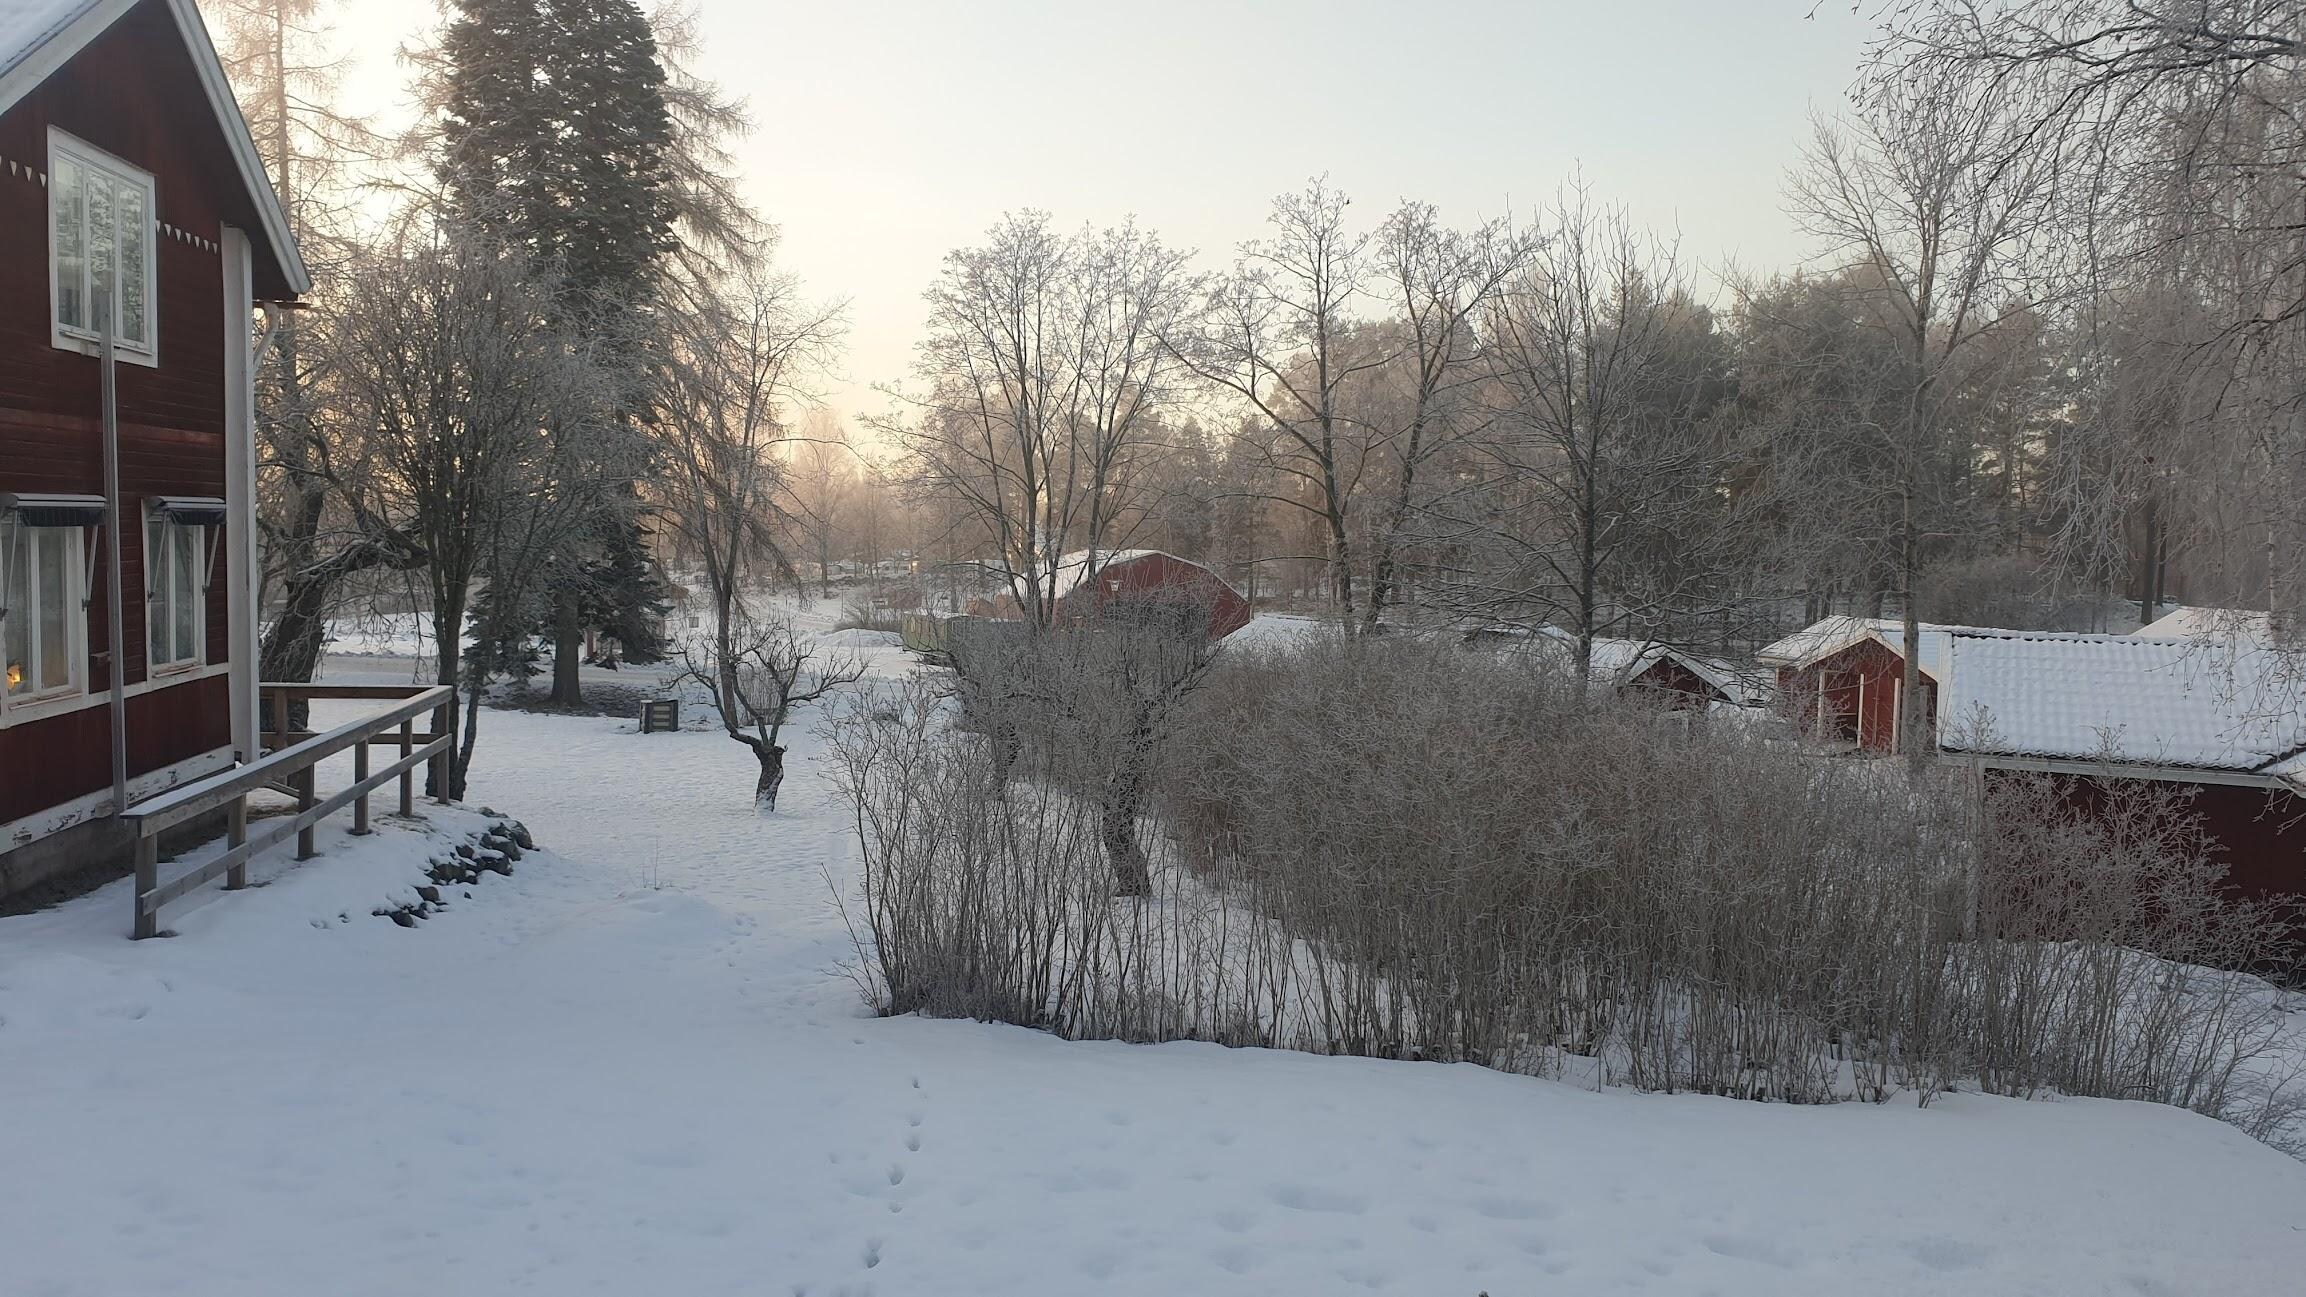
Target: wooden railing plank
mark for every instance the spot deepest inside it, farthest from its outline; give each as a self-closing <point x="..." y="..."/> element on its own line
<point x="280" y="830"/>
<point x="168" y="809"/>
<point x="294" y="768"/>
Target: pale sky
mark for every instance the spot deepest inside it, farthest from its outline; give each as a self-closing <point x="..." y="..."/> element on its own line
<point x="891" y="131"/>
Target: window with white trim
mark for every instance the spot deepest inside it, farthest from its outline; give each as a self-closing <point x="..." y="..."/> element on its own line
<point x="42" y="626"/>
<point x="175" y="594"/>
<point x="100" y="223"/>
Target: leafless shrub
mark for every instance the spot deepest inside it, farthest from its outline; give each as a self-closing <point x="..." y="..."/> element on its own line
<point x="864" y="616"/>
<point x="1404" y="851"/>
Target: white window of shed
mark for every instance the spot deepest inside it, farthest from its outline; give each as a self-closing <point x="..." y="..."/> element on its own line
<point x="101" y="247"/>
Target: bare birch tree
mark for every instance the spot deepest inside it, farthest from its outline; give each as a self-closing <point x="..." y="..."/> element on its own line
<point x="1933" y="195"/>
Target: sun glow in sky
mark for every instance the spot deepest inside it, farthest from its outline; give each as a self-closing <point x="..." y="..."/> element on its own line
<point x="891" y="131"/>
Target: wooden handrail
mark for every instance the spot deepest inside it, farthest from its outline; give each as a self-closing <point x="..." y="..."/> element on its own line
<point x="167" y="810"/>
<point x="293" y="767"/>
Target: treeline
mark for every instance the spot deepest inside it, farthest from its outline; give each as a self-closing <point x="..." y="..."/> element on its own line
<point x="2041" y="373"/>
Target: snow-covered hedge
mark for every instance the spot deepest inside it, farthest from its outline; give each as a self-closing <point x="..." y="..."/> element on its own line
<point x="1403" y="851"/>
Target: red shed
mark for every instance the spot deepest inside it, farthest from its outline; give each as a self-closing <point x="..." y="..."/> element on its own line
<point x="1843" y="678"/>
<point x="2224" y="722"/>
<point x="133" y="207"/>
<point x="1087" y="587"/>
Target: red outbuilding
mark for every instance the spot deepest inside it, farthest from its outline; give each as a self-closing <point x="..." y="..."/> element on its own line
<point x="2222" y="723"/>
<point x="1094" y="584"/>
<point x="139" y="236"/>
<point x="1843" y="679"/>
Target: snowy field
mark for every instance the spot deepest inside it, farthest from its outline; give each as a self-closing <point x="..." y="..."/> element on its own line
<point x="636" y="1067"/>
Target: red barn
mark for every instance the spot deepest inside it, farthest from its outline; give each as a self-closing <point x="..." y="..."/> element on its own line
<point x="1843" y="679"/>
<point x="134" y="211"/>
<point x="2226" y="723"/>
<point x="1089" y="588"/>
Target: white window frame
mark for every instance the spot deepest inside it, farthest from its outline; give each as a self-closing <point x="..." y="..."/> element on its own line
<point x="86" y="341"/>
<point x="157" y="611"/>
<point x="17" y="539"/>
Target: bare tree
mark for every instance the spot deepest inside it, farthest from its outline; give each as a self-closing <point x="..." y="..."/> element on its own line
<point x="1601" y="505"/>
<point x="758" y="671"/>
<point x="478" y="418"/>
<point x="1437" y="281"/>
<point x="737" y="365"/>
<point x="1936" y="196"/>
<point x="1283" y="334"/>
<point x="1044" y="365"/>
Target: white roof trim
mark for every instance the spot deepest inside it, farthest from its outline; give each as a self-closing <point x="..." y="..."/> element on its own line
<point x="57" y="46"/>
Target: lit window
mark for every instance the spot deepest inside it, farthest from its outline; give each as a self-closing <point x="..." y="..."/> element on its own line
<point x="40" y="625"/>
<point x="175" y="565"/>
<point x="100" y="216"/>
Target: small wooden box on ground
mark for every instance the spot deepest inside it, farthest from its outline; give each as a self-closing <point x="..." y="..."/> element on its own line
<point x="660" y="714"/>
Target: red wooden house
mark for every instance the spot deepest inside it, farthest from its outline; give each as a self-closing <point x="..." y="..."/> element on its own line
<point x="1843" y="679"/>
<point x="139" y="236"/>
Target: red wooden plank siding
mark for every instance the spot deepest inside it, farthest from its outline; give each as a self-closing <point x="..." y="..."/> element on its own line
<point x="133" y="92"/>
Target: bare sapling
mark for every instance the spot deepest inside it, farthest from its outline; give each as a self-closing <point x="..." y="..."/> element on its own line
<point x="759" y="670"/>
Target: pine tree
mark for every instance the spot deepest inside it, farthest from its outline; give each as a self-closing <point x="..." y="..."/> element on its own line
<point x="555" y="134"/>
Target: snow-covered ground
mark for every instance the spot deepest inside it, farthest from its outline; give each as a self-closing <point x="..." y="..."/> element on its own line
<point x="636" y="1067"/>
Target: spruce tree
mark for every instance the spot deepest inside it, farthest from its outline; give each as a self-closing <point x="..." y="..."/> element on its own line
<point x="555" y="135"/>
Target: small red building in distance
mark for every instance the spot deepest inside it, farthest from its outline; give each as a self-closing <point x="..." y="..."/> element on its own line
<point x="1089" y="584"/>
<point x="127" y="176"/>
<point x="1842" y="679"/>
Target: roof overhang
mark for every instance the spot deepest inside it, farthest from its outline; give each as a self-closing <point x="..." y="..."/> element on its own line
<point x="2122" y="770"/>
<point x="57" y="46"/>
<point x="44" y="509"/>
<point x="189" y="510"/>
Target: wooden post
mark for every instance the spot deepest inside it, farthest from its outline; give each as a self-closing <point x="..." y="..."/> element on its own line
<point x="360" y="827"/>
<point x="304" y="802"/>
<point x="407" y="774"/>
<point x="236" y="876"/>
<point x="147" y="879"/>
<point x="442" y="758"/>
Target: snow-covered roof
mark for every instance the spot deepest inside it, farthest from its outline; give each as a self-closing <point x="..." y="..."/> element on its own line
<point x="2162" y="702"/>
<point x="1073" y="568"/>
<point x="39" y="36"/>
<point x="1620" y="660"/>
<point x="1615" y="661"/>
<point x="1814" y="644"/>
<point x="2211" y="623"/>
<point x="26" y="25"/>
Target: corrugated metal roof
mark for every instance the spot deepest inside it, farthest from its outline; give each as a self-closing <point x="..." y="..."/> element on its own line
<point x="26" y="25"/>
<point x="2169" y="702"/>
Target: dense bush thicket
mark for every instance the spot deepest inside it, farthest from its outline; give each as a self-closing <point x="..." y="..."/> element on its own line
<point x="1405" y="851"/>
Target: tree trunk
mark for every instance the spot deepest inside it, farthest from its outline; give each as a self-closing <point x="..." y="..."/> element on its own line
<point x="567" y="651"/>
<point x="1124" y="798"/>
<point x="772" y="758"/>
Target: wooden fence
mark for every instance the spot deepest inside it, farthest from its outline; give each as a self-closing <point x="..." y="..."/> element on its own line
<point x="291" y="768"/>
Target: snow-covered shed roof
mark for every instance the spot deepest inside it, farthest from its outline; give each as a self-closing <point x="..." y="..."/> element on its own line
<point x="2125" y="698"/>
<point x="1814" y="644"/>
<point x="1074" y="568"/>
<point x="2210" y="623"/>
<point x="39" y="36"/>
<point x="1620" y="660"/>
<point x="1617" y="660"/>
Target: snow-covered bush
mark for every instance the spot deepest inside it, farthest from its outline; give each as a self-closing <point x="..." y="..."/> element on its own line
<point x="1402" y="851"/>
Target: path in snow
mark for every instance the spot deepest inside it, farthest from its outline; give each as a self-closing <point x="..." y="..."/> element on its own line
<point x="635" y="1067"/>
